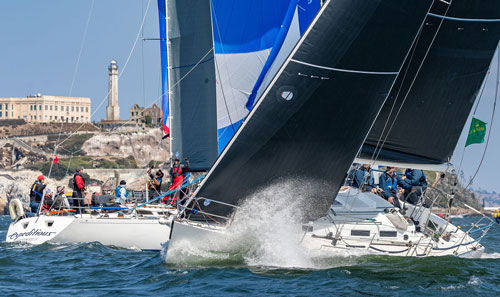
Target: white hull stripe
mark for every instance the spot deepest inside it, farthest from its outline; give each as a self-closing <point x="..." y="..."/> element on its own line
<point x="344" y="70"/>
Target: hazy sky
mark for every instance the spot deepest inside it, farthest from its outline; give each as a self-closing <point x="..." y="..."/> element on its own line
<point x="40" y="43"/>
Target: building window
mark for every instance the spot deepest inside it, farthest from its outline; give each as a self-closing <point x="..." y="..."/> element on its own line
<point x="40" y="117"/>
<point x="6" y="106"/>
<point x="34" y="107"/>
<point x="0" y="106"/>
<point x="77" y="109"/>
<point x="55" y="117"/>
<point x="77" y="119"/>
<point x="72" y="108"/>
<point x="45" y="117"/>
<point x="55" y="107"/>
<point x="50" y="107"/>
<point x="67" y="108"/>
<point x="72" y="119"/>
<point x="46" y="107"/>
<point x="87" y="109"/>
<point x="50" y="118"/>
<point x="40" y="107"/>
<point x="0" y="114"/>
<point x="62" y="108"/>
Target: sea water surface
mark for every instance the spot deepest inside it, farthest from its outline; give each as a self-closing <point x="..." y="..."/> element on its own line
<point x="95" y="270"/>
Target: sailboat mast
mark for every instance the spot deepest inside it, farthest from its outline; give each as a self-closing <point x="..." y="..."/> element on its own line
<point x="169" y="93"/>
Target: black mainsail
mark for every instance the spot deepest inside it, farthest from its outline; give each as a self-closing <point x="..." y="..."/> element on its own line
<point x="428" y="117"/>
<point x="313" y="117"/>
<point x="191" y="81"/>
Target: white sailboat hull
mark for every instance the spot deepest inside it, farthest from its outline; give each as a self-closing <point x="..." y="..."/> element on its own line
<point x="381" y="237"/>
<point x="143" y="234"/>
<point x="365" y="222"/>
<point x="37" y="230"/>
<point x="128" y="232"/>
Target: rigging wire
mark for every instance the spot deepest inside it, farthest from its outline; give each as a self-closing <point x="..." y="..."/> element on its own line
<point x="73" y="80"/>
<point x="413" y="81"/>
<point x="397" y="95"/>
<point x="473" y="115"/>
<point x="81" y="47"/>
<point x="121" y="73"/>
<point x="227" y="70"/>
<point x="491" y="125"/>
<point x="142" y="61"/>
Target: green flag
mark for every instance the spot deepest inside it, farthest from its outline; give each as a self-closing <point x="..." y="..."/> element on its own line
<point x="477" y="132"/>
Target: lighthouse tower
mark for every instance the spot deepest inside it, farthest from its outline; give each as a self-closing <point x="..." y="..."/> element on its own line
<point x="113" y="109"/>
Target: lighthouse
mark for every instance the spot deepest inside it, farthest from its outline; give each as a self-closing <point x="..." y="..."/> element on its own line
<point x="113" y="109"/>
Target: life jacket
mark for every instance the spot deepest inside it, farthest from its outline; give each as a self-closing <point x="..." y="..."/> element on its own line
<point x="75" y="187"/>
<point x="177" y="171"/>
<point x="117" y="192"/>
<point x="391" y="182"/>
<point x="35" y="193"/>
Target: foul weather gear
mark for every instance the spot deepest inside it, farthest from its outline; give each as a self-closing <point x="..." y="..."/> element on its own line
<point x="177" y="173"/>
<point x="78" y="189"/>
<point x="36" y="192"/>
<point x="363" y="179"/>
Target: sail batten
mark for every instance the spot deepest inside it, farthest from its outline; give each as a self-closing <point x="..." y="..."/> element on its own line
<point x="307" y="124"/>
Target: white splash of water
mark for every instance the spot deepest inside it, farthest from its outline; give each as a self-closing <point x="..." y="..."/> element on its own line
<point x="266" y="231"/>
<point x="490" y="256"/>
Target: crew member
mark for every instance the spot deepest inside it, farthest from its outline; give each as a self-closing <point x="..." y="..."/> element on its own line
<point x="61" y="202"/>
<point x="177" y="173"/>
<point x="414" y="183"/>
<point x="388" y="183"/>
<point x="48" y="200"/>
<point x="121" y="193"/>
<point x="155" y="182"/>
<point x="78" y="189"/>
<point x="363" y="179"/>
<point x="36" y="193"/>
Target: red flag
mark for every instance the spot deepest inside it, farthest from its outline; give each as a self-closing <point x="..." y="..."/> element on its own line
<point x="56" y="159"/>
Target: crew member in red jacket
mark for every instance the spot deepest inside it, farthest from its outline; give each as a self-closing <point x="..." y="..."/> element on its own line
<point x="78" y="189"/>
<point x="177" y="173"/>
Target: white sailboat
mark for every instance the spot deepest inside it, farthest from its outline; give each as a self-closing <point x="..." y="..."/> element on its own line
<point x="359" y="220"/>
<point x="147" y="226"/>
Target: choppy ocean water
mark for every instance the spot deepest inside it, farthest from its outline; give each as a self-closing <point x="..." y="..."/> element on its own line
<point x="96" y="270"/>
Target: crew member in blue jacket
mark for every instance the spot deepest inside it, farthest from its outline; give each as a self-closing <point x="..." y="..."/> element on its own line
<point x="363" y="179"/>
<point x="36" y="193"/>
<point x="414" y="183"/>
<point x="388" y="182"/>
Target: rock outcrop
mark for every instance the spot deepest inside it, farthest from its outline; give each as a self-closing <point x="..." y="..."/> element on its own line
<point x="143" y="146"/>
